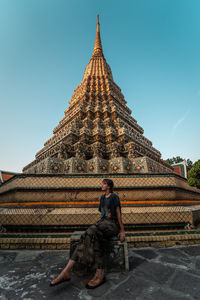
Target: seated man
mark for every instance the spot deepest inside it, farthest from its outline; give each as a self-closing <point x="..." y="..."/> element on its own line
<point x="89" y="249"/>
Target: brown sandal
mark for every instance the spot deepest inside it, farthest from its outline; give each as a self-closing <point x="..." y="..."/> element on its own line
<point x="97" y="280"/>
<point x="59" y="280"/>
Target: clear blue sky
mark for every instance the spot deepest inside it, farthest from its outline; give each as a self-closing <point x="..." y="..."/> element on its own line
<point x="152" y="46"/>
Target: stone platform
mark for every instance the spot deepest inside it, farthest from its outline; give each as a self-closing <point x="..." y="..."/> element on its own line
<point x="39" y="200"/>
<point x="72" y="200"/>
<point x="135" y="189"/>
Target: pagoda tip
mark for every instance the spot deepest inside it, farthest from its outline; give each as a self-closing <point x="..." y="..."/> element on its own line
<point x="97" y="46"/>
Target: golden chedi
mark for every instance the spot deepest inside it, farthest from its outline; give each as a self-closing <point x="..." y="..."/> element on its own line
<point x="98" y="133"/>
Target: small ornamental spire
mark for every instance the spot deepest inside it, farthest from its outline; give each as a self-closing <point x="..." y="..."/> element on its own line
<point x="97" y="46"/>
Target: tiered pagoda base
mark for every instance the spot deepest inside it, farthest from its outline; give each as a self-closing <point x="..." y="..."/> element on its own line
<point x="72" y="200"/>
<point x="42" y="211"/>
<point x="97" y="165"/>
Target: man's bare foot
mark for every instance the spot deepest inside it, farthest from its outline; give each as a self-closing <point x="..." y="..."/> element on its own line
<point x="63" y="276"/>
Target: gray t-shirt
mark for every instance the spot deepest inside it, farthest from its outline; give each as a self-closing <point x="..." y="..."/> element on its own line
<point x="107" y="206"/>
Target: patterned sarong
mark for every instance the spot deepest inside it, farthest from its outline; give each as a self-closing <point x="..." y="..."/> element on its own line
<point x="91" y="247"/>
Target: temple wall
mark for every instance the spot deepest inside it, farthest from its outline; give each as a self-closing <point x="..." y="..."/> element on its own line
<point x="85" y="190"/>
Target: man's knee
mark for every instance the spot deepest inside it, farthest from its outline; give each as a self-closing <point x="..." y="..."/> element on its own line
<point x="91" y="230"/>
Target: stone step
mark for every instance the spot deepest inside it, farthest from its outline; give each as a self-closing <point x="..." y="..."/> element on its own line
<point x="134" y="239"/>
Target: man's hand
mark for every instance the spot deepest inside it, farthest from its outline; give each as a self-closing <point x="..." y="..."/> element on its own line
<point x="122" y="233"/>
<point x="122" y="236"/>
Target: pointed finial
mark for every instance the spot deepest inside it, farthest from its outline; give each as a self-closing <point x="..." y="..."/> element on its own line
<point x="97" y="46"/>
<point x="98" y="22"/>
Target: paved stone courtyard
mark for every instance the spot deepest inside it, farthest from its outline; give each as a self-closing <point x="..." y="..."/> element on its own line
<point x="155" y="273"/>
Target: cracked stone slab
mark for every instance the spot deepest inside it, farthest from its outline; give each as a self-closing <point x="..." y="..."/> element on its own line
<point x="162" y="294"/>
<point x="135" y="261"/>
<point x="175" y="252"/>
<point x="191" y="250"/>
<point x="187" y="284"/>
<point x="7" y="257"/>
<point x="147" y="253"/>
<point x="128" y="289"/>
<point x="177" y="263"/>
<point x="155" y="272"/>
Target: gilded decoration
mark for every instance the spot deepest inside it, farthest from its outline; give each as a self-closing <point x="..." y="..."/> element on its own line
<point x="97" y="133"/>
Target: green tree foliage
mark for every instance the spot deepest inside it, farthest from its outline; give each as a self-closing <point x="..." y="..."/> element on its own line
<point x="189" y="164"/>
<point x="174" y="160"/>
<point x="194" y="175"/>
<point x="178" y="159"/>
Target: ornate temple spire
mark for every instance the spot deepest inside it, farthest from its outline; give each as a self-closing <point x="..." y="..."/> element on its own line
<point x="98" y="51"/>
<point x="98" y="133"/>
<point x="97" y="65"/>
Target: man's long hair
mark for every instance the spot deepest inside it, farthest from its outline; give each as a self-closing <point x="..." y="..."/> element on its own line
<point x="110" y="183"/>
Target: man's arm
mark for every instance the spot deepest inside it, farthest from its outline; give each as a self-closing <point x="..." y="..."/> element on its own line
<point x="119" y="217"/>
<point x="100" y="201"/>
